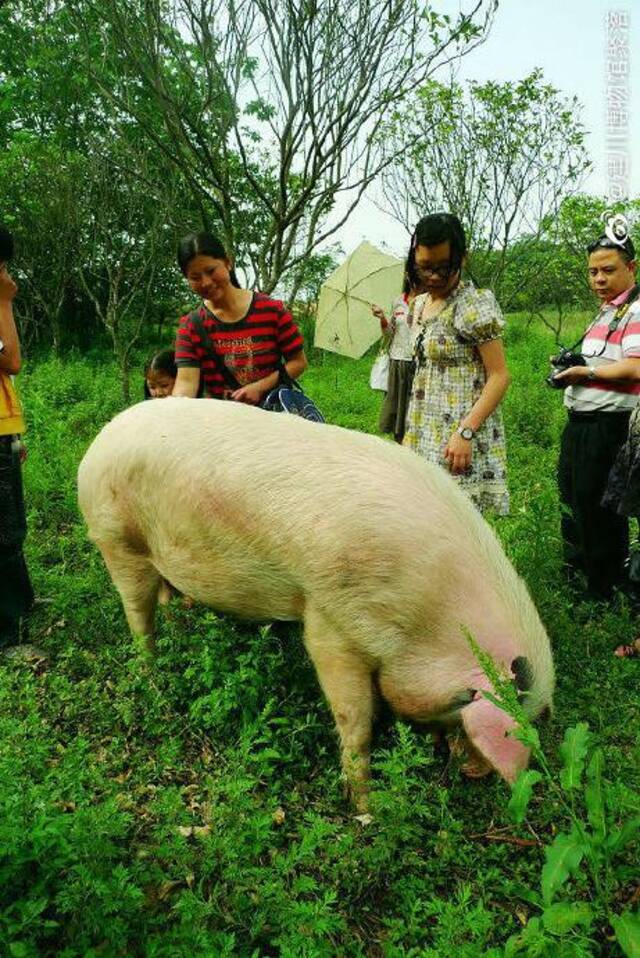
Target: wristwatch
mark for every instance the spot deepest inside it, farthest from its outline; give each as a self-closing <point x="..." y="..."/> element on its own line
<point x="466" y="432"/>
<point x="591" y="372"/>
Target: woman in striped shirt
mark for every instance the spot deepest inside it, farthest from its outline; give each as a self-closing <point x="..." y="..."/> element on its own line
<point x="237" y="340"/>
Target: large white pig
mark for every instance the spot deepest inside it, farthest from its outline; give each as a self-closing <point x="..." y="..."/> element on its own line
<point x="379" y="553"/>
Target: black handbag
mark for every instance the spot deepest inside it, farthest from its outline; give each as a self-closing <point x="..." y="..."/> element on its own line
<point x="288" y="397"/>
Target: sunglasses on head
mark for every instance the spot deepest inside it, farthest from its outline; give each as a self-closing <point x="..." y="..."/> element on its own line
<point x="604" y="242"/>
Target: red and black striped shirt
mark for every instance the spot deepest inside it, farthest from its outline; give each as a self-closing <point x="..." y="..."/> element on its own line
<point x="248" y="349"/>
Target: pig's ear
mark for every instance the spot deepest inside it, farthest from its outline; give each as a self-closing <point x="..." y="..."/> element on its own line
<point x="487" y="729"/>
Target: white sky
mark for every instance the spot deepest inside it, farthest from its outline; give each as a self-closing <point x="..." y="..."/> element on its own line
<point x="567" y="39"/>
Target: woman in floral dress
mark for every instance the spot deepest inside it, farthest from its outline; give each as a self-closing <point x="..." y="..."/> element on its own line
<point x="461" y="376"/>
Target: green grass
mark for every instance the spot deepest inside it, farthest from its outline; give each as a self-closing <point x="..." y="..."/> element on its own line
<point x="196" y="811"/>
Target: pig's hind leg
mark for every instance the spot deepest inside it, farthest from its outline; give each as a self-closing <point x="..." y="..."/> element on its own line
<point x="138" y="583"/>
<point x="347" y="683"/>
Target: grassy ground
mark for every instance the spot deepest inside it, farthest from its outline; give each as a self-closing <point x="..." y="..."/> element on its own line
<point x="196" y="811"/>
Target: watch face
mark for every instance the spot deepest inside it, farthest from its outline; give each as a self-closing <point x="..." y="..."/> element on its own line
<point x="466" y="433"/>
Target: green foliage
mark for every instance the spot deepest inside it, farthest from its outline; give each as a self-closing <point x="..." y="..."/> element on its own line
<point x="522" y="793"/>
<point x="627" y="929"/>
<point x="195" y="810"/>
<point x="548" y="270"/>
<point x="260" y="145"/>
<point x="311" y="273"/>
<point x="588" y="857"/>
<point x="573" y="752"/>
<point x="579" y="220"/>
<point x="503" y="156"/>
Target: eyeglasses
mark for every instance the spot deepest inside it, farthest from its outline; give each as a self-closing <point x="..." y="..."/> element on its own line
<point x="443" y="271"/>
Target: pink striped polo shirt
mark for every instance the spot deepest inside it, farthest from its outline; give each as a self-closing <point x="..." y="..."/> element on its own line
<point x="623" y="343"/>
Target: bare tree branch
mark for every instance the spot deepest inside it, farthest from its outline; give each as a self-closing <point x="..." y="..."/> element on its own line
<point x="270" y="108"/>
<point x="501" y="156"/>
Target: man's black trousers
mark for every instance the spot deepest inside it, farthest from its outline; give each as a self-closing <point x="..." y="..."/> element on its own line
<point x="595" y="540"/>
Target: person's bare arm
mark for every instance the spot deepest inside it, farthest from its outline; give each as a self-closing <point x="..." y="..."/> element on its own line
<point x="459" y="451"/>
<point x="255" y="392"/>
<point x="624" y="371"/>
<point x="378" y="312"/>
<point x="296" y="365"/>
<point x="10" y="357"/>
<point x="187" y="382"/>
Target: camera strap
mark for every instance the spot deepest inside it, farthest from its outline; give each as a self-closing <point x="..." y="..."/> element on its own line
<point x="614" y="322"/>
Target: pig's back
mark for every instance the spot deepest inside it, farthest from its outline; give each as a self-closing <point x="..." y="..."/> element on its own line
<point x="204" y="481"/>
<point x="183" y="455"/>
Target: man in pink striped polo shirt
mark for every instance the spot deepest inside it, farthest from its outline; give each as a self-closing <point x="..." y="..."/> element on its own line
<point x="600" y="398"/>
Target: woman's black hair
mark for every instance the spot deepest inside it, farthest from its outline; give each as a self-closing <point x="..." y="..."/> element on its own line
<point x="627" y="250"/>
<point x="6" y="244"/>
<point x="163" y="362"/>
<point x="434" y="229"/>
<point x="406" y="282"/>
<point x="203" y="244"/>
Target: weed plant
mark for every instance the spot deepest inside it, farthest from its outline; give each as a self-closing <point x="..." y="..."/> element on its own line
<point x="195" y="811"/>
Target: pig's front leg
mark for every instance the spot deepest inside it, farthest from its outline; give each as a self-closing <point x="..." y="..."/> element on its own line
<point x="346" y="681"/>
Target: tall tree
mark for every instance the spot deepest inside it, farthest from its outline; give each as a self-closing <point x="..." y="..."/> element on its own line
<point x="57" y="138"/>
<point x="40" y="188"/>
<point x="270" y="108"/>
<point x="500" y="155"/>
<point x="125" y="241"/>
<point x="552" y="272"/>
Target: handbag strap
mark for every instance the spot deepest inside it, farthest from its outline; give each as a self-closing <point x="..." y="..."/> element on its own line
<point x="229" y="379"/>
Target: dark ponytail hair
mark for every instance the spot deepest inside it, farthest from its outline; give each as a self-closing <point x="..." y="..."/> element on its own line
<point x="203" y="244"/>
<point x="434" y="229"/>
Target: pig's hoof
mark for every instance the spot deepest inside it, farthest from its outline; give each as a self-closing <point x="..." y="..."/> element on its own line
<point x="472" y="764"/>
<point x="476" y="767"/>
<point x="357" y="795"/>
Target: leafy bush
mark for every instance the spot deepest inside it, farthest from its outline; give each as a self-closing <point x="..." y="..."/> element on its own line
<point x="590" y="856"/>
<point x="195" y="810"/>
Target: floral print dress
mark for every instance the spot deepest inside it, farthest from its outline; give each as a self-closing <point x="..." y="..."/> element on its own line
<point x="448" y="380"/>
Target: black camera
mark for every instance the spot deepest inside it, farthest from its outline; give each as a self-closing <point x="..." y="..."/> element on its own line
<point x="564" y="360"/>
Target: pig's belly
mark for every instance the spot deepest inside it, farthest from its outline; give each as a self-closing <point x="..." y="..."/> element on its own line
<point x="250" y="589"/>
